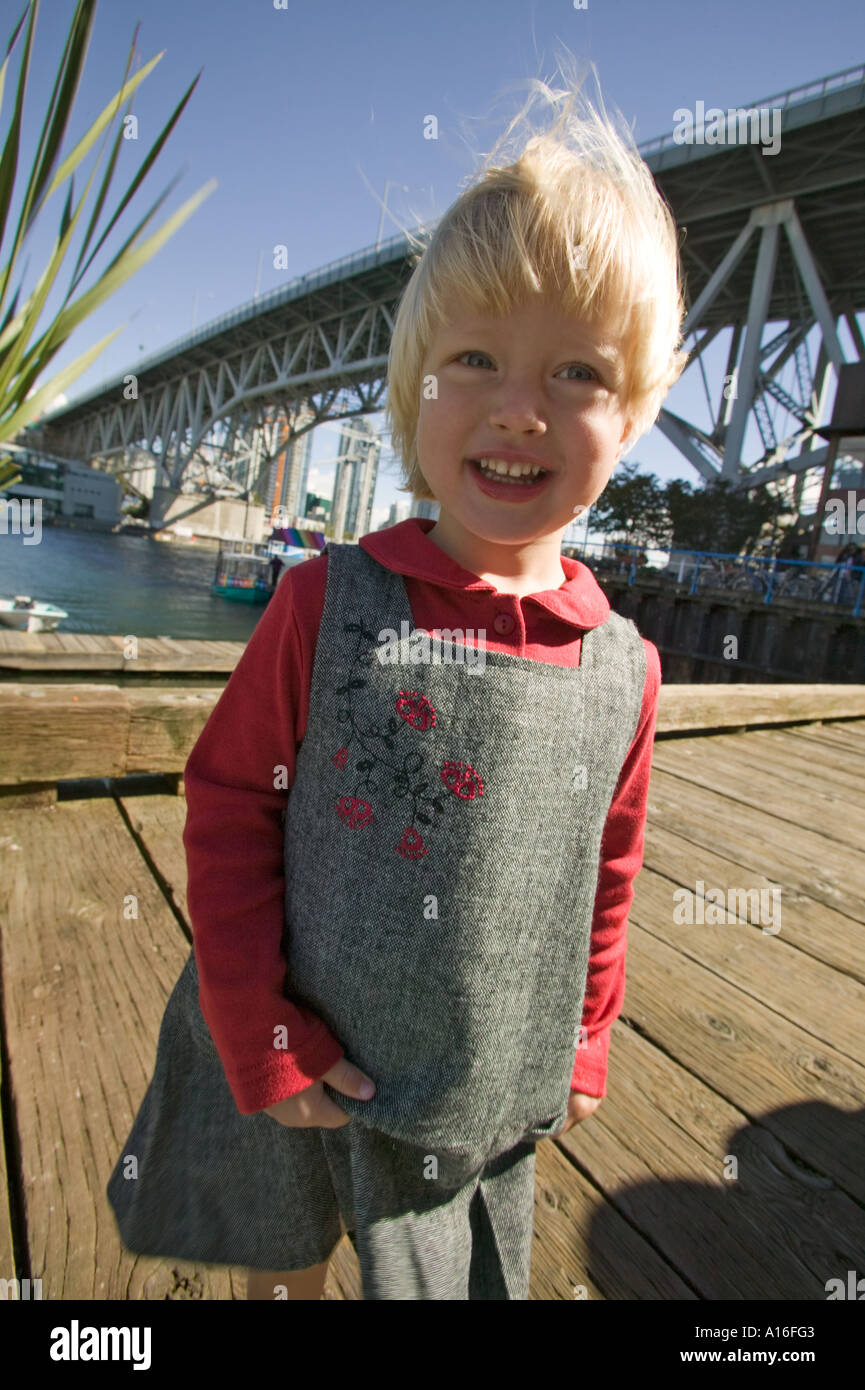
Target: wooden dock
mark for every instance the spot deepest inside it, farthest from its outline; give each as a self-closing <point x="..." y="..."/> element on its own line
<point x="727" y="1160"/>
<point x="82" y="654"/>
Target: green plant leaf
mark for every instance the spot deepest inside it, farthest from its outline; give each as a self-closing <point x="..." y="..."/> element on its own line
<point x="21" y="364"/>
<point x="120" y="272"/>
<point x="9" y="158"/>
<point x="10" y="45"/>
<point x="30" y="409"/>
<point x="12" y="361"/>
<point x="147" y="164"/>
<point x="57" y="115"/>
<point x="109" y="173"/>
<point x="107" y="114"/>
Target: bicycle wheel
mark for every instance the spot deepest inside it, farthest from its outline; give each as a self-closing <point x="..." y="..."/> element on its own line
<point x="746" y="583"/>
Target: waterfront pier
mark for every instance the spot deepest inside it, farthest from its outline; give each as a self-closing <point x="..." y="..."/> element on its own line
<point x="727" y="1160"/>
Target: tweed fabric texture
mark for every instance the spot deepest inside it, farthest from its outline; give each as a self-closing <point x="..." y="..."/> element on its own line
<point x="442" y="848"/>
<point x="211" y="1185"/>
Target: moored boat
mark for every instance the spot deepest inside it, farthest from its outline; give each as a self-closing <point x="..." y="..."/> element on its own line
<point x="30" y="615"/>
<point x="249" y="571"/>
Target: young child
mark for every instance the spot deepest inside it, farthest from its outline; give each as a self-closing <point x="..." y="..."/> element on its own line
<point x="439" y="906"/>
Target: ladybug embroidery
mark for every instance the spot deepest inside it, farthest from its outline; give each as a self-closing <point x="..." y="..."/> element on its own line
<point x="411" y="846"/>
<point x="416" y="710"/>
<point x="391" y="751"/>
<point x="463" y="779"/>
<point x="353" y="812"/>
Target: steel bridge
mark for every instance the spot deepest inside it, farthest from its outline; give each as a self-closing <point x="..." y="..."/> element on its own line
<point x="768" y="237"/>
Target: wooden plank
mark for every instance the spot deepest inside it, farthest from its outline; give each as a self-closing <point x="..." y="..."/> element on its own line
<point x="763" y="965"/>
<point x="808" y="862"/>
<point x="733" y="774"/>
<point x="774" y="765"/>
<point x="734" y="706"/>
<point x="836" y="736"/>
<point x="8" y="1268"/>
<point x="820" y="931"/>
<point x="343" y="1275"/>
<point x="164" y="727"/>
<point x="157" y="824"/>
<point x="787" y="743"/>
<point x="55" y="651"/>
<point x="84" y="993"/>
<point x="59" y="651"/>
<point x="580" y="1240"/>
<point x="52" y="732"/>
<point x="18" y="644"/>
<point x="805" y="1092"/>
<point x="658" y="1149"/>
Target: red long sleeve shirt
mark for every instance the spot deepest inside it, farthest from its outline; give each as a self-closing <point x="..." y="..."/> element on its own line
<point x="238" y="775"/>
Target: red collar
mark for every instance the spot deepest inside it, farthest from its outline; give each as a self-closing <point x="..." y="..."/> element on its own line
<point x="406" y="549"/>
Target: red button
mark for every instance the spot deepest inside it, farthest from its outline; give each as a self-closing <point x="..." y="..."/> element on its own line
<point x="503" y="624"/>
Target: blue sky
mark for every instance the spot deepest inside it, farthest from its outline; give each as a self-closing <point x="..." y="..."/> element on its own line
<point x="302" y="114"/>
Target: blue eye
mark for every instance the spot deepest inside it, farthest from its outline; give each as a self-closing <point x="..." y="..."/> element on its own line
<point x="582" y="368"/>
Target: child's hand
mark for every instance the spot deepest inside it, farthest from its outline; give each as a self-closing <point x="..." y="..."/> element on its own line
<point x="580" y="1107"/>
<point x="312" y="1107"/>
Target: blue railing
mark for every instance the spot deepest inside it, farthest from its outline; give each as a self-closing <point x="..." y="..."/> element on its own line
<point x="706" y="571"/>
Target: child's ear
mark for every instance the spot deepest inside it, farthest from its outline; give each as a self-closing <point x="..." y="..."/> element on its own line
<point x="626" y="438"/>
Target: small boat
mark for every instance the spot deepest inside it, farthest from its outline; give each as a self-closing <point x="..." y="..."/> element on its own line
<point x="245" y="570"/>
<point x="29" y="615"/>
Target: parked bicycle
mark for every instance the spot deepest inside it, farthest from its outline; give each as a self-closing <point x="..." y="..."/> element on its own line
<point x="756" y="577"/>
<point x="716" y="572"/>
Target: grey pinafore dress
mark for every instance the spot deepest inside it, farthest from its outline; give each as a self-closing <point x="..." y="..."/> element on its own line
<point x="442" y="846"/>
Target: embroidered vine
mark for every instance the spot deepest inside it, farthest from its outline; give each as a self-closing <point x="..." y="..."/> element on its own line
<point x="391" y="752"/>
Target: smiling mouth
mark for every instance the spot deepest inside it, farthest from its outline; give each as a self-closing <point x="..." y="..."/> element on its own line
<point x="518" y="474"/>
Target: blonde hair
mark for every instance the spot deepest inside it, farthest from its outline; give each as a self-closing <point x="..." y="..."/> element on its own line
<point x="577" y="215"/>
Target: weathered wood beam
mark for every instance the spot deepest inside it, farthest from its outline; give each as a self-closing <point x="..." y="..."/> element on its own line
<point x="51" y="733"/>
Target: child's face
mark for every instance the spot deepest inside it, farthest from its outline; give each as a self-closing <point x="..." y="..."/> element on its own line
<point x="536" y="382"/>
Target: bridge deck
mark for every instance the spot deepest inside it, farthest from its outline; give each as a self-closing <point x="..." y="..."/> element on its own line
<point x="738" y="1049"/>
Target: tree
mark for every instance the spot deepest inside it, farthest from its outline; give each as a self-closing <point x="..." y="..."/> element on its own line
<point x="717" y="517"/>
<point x="22" y="366"/>
<point x="632" y="507"/>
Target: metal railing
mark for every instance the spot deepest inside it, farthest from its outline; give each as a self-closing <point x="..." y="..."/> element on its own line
<point x="837" y="81"/>
<point x="707" y="571"/>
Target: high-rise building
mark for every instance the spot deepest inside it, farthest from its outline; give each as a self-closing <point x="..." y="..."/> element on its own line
<point x="356" y="475"/>
<point x="423" y="506"/>
<point x="289" y="473"/>
<point x="399" y="511"/>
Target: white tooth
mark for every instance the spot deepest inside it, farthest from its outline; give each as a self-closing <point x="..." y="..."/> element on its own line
<point x="504" y="469"/>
